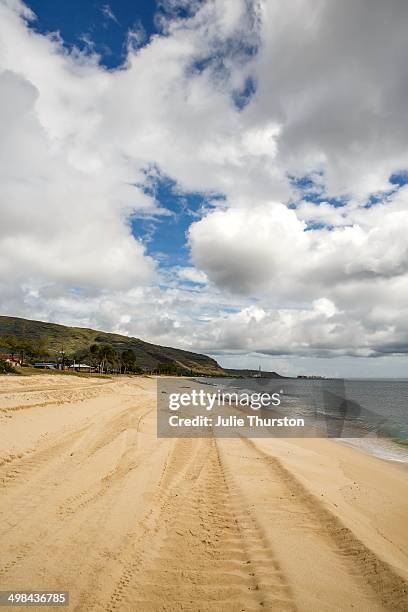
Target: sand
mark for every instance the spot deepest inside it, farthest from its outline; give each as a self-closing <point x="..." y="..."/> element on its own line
<point x="92" y="502"/>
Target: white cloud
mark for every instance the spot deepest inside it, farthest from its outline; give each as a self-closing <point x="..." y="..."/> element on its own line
<point x="334" y="75"/>
<point x="60" y="223"/>
<point x="287" y="261"/>
<point x="193" y="275"/>
<point x="331" y="84"/>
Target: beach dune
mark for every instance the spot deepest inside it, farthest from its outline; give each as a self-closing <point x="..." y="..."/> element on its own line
<point x="94" y="504"/>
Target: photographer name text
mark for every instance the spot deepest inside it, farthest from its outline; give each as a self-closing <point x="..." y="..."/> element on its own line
<point x="248" y="420"/>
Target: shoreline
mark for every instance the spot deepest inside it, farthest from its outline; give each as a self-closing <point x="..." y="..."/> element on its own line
<point x="384" y="449"/>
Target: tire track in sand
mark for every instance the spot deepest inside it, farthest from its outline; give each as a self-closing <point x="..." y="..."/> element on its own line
<point x="374" y="576"/>
<point x="130" y="459"/>
<point x="87" y="526"/>
<point x="37" y="473"/>
<point x="204" y="550"/>
<point x="15" y="469"/>
<point x="52" y="457"/>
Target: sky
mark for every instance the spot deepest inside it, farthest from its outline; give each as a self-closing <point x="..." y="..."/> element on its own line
<point x="223" y="176"/>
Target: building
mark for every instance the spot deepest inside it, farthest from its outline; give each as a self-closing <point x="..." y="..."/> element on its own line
<point x="81" y="367"/>
<point x="12" y="360"/>
<point x="46" y="365"/>
<point x="257" y="374"/>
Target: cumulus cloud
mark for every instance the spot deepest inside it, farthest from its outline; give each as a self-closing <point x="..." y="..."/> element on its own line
<point x="192" y="275"/>
<point x="334" y="75"/>
<point x="285" y="259"/>
<point x="234" y="98"/>
<point x="63" y="207"/>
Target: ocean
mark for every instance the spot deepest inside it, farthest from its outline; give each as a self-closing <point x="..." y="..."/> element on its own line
<point x="371" y="414"/>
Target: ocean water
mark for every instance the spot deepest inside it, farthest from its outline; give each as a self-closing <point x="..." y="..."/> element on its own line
<point x="371" y="414"/>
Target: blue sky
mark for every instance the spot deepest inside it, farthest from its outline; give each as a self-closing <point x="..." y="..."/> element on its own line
<point x="165" y="235"/>
<point x="105" y="24"/>
<point x="220" y="182"/>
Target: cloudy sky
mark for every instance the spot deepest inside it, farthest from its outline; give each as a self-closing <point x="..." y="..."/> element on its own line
<point x="226" y="176"/>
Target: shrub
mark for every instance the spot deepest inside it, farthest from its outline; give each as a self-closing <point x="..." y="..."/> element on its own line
<point x="6" y="368"/>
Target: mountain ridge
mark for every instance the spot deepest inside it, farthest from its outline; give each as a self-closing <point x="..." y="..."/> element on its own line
<point x="74" y="339"/>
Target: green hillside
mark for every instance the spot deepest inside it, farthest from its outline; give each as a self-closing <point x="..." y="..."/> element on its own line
<point x="74" y="340"/>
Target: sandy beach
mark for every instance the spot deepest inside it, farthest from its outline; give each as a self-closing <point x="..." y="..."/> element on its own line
<point x="94" y="504"/>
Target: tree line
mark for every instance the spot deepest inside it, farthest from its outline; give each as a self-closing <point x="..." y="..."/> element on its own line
<point x="102" y="358"/>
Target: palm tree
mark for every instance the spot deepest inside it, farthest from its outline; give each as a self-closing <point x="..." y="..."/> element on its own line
<point x="107" y="355"/>
<point x="94" y="355"/>
<point x="128" y="360"/>
<point x="9" y="341"/>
